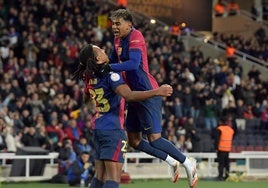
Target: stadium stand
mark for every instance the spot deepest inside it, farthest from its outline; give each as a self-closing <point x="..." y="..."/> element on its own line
<point x="39" y="43"/>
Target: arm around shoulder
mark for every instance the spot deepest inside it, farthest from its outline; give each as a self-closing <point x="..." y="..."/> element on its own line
<point x="124" y="91"/>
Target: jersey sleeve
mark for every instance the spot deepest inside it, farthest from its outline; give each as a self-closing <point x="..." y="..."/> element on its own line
<point x="132" y="64"/>
<point x="136" y="41"/>
<point x="115" y="80"/>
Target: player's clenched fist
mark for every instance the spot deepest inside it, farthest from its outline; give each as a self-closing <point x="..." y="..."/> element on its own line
<point x="165" y="90"/>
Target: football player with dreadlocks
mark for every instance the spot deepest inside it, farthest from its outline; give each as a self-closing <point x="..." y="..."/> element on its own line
<point x="107" y="90"/>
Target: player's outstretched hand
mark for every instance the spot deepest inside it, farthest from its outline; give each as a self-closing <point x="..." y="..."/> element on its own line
<point x="165" y="90"/>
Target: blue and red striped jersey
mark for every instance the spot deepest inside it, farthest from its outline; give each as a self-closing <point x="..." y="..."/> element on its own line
<point x="109" y="105"/>
<point x="139" y="78"/>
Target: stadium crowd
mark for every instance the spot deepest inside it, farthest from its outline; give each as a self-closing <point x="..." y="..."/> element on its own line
<point x="40" y="105"/>
<point x="255" y="46"/>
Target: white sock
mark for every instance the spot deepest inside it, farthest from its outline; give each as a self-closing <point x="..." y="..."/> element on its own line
<point x="187" y="163"/>
<point x="170" y="160"/>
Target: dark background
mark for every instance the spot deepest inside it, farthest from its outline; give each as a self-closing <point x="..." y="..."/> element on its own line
<point x="197" y="14"/>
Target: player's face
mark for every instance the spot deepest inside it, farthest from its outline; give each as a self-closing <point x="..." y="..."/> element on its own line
<point x="101" y="55"/>
<point x="120" y="27"/>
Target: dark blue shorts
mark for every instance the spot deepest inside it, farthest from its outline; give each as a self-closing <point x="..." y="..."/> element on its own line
<point x="145" y="116"/>
<point x="110" y="145"/>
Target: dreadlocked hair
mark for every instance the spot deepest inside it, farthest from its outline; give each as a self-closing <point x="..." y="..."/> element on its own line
<point x="87" y="65"/>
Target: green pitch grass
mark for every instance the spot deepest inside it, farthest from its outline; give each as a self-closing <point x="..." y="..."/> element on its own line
<point x="152" y="184"/>
<point x="201" y="184"/>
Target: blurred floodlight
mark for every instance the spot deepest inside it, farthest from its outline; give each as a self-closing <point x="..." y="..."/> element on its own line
<point x="153" y="21"/>
<point x="183" y="24"/>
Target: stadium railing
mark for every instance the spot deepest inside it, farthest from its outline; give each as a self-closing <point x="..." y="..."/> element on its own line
<point x="4" y="157"/>
<point x="255" y="163"/>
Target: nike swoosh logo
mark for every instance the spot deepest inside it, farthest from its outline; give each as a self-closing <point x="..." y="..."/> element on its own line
<point x="146" y="128"/>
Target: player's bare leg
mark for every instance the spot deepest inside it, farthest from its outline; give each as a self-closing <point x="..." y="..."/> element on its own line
<point x="97" y="181"/>
<point x="112" y="174"/>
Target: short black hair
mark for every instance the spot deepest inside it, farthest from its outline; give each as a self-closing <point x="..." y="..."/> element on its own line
<point x="224" y="117"/>
<point x="85" y="153"/>
<point x="82" y="136"/>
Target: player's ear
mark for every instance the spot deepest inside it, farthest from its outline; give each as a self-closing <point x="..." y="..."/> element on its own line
<point x="98" y="59"/>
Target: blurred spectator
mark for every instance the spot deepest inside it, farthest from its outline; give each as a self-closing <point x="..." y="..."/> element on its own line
<point x="40" y="121"/>
<point x="122" y="3"/>
<point x="237" y="77"/>
<point x="31" y="52"/>
<point x="18" y="138"/>
<point x="2" y="131"/>
<point x="87" y="132"/>
<point x="264" y="118"/>
<point x="248" y="112"/>
<point x="7" y="115"/>
<point x="66" y="157"/>
<point x="249" y="93"/>
<point x="17" y="123"/>
<point x="10" y="140"/>
<point x="254" y="73"/>
<point x="4" y="52"/>
<point x="198" y="97"/>
<point x="232" y="8"/>
<point x="220" y="8"/>
<point x="7" y="99"/>
<point x="210" y="114"/>
<point x="230" y="54"/>
<point x="239" y="115"/>
<point x="24" y="79"/>
<point x="29" y="137"/>
<point x="36" y="105"/>
<point x="81" y="170"/>
<point x="260" y="35"/>
<point x="265" y="9"/>
<point x="183" y="144"/>
<point x="13" y="34"/>
<point x="256" y="10"/>
<point x="227" y="98"/>
<point x="192" y="134"/>
<point x="55" y="134"/>
<point x="178" y="108"/>
<point x="187" y="101"/>
<point x="20" y="105"/>
<point x="72" y="131"/>
<point x="175" y="30"/>
<point x="169" y="131"/>
<point x="15" y="88"/>
<point x="188" y="76"/>
<point x="178" y="91"/>
<point x="82" y="146"/>
<point x="181" y="129"/>
<point x="43" y="138"/>
<point x="167" y="109"/>
<point x="26" y="118"/>
<point x="230" y="109"/>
